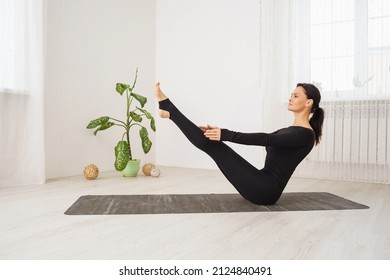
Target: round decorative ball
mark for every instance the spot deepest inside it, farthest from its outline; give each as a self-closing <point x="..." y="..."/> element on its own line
<point x="155" y="172"/>
<point x="147" y="168"/>
<point x="91" y="171"/>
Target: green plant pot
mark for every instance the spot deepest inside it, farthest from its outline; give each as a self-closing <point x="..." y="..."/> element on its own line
<point x="132" y="168"/>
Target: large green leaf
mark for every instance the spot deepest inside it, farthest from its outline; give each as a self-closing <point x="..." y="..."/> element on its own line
<point x="141" y="99"/>
<point x="122" y="155"/>
<point x="150" y="117"/>
<point x="146" y="143"/>
<point x="135" y="117"/>
<point x="97" y="122"/>
<point x="121" y="88"/>
<point x="153" y="124"/>
<point x="104" y="127"/>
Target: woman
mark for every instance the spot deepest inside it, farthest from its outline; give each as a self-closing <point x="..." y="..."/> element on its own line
<point x="286" y="147"/>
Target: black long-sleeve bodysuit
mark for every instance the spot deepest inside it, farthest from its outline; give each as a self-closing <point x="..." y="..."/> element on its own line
<point x="286" y="148"/>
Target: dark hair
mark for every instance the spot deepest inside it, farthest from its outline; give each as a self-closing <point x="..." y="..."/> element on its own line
<point x="317" y="119"/>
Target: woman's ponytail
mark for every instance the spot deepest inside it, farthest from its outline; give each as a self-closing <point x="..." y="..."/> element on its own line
<point x="316" y="122"/>
<point x="317" y="119"/>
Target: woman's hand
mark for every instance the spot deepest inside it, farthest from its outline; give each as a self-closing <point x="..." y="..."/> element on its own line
<point x="211" y="132"/>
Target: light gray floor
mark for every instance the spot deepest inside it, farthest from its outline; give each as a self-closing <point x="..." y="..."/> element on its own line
<point x="33" y="226"/>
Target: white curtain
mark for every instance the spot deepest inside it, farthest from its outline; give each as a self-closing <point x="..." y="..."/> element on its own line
<point x="21" y="93"/>
<point x="342" y="46"/>
<point x="276" y="61"/>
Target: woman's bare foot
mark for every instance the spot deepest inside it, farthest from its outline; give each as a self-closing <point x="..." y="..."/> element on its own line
<point x="160" y="97"/>
<point x="158" y="93"/>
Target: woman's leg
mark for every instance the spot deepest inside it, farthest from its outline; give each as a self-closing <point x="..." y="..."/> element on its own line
<point x="251" y="183"/>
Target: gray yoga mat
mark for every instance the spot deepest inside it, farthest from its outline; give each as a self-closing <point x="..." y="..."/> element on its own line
<point x="204" y="203"/>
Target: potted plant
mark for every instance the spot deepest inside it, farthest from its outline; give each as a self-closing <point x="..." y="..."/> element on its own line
<point x="134" y="117"/>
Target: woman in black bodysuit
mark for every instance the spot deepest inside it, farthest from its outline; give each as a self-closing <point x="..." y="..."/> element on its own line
<point x="286" y="147"/>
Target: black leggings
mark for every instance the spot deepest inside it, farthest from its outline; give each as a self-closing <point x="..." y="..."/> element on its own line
<point x="254" y="185"/>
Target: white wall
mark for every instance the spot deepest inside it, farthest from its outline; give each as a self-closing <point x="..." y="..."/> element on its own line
<point x="91" y="45"/>
<point x="207" y="60"/>
<point x="205" y="53"/>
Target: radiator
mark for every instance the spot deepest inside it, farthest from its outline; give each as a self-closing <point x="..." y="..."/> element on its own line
<point x="355" y="144"/>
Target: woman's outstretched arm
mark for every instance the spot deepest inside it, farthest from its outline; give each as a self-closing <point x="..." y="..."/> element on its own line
<point x="294" y="138"/>
<point x="283" y="138"/>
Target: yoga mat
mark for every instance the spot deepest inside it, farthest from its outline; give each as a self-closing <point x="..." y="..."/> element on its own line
<point x="204" y="203"/>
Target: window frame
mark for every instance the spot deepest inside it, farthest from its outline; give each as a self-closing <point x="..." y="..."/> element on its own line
<point x="361" y="55"/>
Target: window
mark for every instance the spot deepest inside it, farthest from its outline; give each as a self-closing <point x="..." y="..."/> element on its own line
<point x="378" y="17"/>
<point x="12" y="46"/>
<point x="350" y="48"/>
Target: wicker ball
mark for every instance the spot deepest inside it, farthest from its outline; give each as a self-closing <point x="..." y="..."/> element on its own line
<point x="91" y="171"/>
<point x="155" y="172"/>
<point x="147" y="168"/>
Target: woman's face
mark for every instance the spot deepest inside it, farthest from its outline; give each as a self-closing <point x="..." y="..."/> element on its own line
<point x="298" y="101"/>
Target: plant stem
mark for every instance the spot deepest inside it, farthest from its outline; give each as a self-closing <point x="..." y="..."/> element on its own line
<point x="121" y="125"/>
<point x="118" y="121"/>
<point x="128" y="144"/>
<point x="128" y="123"/>
<point x="136" y="124"/>
<point x="135" y="80"/>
